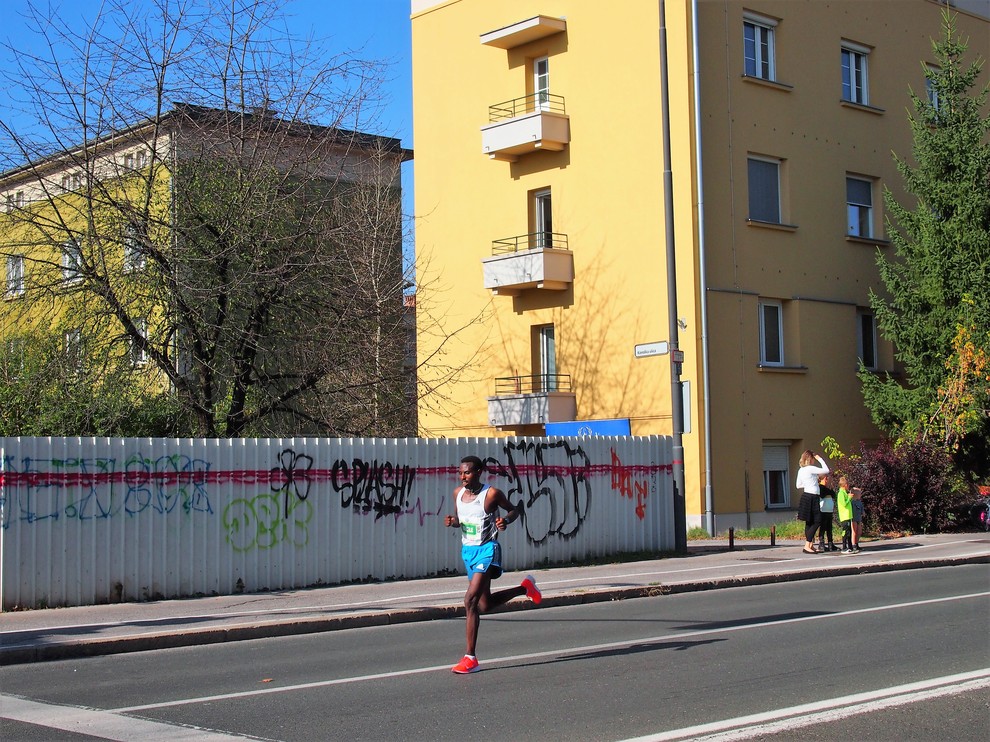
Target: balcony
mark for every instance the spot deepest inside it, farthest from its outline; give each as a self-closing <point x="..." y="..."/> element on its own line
<point x="523" y="125"/>
<point x="532" y="400"/>
<point x="541" y="260"/>
<point x="523" y="32"/>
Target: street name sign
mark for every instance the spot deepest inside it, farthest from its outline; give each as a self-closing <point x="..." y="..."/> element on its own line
<point x="645" y="350"/>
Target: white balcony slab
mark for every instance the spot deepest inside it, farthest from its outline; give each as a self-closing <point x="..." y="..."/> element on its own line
<point x="531" y="132"/>
<point x="510" y="274"/>
<point x="513" y="410"/>
<point x="517" y="34"/>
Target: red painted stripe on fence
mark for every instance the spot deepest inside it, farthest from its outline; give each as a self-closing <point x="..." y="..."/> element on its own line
<point x="283" y="477"/>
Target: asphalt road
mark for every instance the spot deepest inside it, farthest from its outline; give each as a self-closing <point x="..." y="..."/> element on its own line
<point x="893" y="656"/>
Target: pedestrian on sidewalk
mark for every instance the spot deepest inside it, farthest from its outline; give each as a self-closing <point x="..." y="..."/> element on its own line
<point x="809" y="508"/>
<point x="826" y="503"/>
<point x="845" y="512"/>
<point x="480" y="523"/>
<point x="857" y="517"/>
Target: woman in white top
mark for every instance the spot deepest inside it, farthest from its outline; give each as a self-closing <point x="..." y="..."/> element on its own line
<point x="808" y="509"/>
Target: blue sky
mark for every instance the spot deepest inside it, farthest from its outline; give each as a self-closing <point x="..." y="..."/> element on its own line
<point x="373" y="29"/>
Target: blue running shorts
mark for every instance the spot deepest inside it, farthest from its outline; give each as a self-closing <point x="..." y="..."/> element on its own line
<point x="482" y="559"/>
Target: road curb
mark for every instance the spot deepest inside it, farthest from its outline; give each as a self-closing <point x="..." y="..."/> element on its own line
<point x="244" y="632"/>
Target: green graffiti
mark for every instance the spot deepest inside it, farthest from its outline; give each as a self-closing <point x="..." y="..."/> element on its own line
<point x="258" y="523"/>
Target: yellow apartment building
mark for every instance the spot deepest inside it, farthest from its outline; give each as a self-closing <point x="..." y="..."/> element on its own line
<point x="540" y="233"/>
<point x="92" y="241"/>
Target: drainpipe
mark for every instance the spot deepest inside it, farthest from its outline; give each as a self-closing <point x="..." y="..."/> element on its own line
<point x="703" y="280"/>
<point x="676" y="398"/>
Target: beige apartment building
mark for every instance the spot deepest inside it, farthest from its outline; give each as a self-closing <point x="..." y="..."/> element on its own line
<point x="541" y="221"/>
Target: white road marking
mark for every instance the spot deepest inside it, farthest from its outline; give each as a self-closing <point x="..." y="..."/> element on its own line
<point x="105" y="724"/>
<point x="544" y="655"/>
<point x="788" y="719"/>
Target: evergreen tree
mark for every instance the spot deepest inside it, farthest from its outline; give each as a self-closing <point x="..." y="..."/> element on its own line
<point x="939" y="280"/>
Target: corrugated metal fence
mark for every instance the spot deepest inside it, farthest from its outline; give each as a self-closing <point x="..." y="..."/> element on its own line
<point x="95" y="520"/>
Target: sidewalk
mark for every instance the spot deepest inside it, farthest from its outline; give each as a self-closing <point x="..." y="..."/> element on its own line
<point x="30" y="636"/>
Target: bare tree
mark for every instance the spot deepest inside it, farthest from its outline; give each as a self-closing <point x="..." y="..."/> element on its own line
<point x="200" y="203"/>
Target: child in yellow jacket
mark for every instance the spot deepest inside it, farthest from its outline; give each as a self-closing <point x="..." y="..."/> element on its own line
<point x="846" y="501"/>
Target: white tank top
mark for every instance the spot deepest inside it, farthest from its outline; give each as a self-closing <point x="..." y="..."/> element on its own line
<point x="477" y="526"/>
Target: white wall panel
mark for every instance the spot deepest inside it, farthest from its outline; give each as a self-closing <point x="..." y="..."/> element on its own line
<point x="96" y="520"/>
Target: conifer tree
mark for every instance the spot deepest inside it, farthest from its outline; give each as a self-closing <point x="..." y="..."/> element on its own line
<point x="938" y="280"/>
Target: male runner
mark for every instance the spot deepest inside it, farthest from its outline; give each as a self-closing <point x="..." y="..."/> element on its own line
<point x="479" y="521"/>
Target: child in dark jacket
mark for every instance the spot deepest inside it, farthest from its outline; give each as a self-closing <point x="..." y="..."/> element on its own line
<point x="827" y="506"/>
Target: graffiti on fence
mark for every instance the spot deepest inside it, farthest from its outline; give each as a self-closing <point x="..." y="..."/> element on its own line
<point x="164" y="482"/>
<point x="291" y="477"/>
<point x="556" y="497"/>
<point x="88" y="488"/>
<point x="372" y="487"/>
<point x="626" y="486"/>
<point x="259" y="522"/>
<point x="551" y="478"/>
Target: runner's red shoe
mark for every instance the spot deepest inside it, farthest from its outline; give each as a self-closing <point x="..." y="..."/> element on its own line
<point x="532" y="591"/>
<point x="466" y="665"/>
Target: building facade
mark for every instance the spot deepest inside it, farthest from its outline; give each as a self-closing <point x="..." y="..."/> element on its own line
<point x="249" y="263"/>
<point x="541" y="221"/>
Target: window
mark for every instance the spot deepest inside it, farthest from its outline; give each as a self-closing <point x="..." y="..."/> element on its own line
<point x="16" y="354"/>
<point x="129" y="161"/>
<point x="71" y="262"/>
<point x="543" y="218"/>
<point x="76" y="181"/>
<point x="547" y="357"/>
<point x="15" y="200"/>
<point x="771" y="333"/>
<point x="181" y="353"/>
<point x="764" y="190"/>
<point x="541" y="84"/>
<point x="15" y="275"/>
<point x="866" y="338"/>
<point x="758" y="54"/>
<point x="73" y="349"/>
<point x="930" y="88"/>
<point x="66" y="184"/>
<point x="859" y="207"/>
<point x="855" y="83"/>
<point x="134" y="259"/>
<point x="776" y="475"/>
<point x="142" y="158"/>
<point x="139" y="356"/>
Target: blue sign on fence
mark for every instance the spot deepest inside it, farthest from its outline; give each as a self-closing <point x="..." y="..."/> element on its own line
<point x="590" y="427"/>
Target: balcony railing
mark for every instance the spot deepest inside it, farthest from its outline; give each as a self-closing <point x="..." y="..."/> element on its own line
<point x="531" y="241"/>
<point x="535" y="384"/>
<point x="532" y="103"/>
<point x="533" y="123"/>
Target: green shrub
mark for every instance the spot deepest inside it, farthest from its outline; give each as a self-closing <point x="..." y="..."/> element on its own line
<point x="907" y="486"/>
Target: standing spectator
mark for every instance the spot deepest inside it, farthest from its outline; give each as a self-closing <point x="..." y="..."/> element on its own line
<point x="809" y="509"/>
<point x="857" y="517"/>
<point x="826" y="504"/>
<point x="844" y="509"/>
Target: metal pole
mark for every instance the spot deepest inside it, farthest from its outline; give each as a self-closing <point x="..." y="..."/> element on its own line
<point x="676" y="400"/>
<point x="703" y="274"/>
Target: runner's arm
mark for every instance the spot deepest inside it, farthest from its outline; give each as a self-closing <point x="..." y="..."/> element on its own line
<point x="496" y="499"/>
